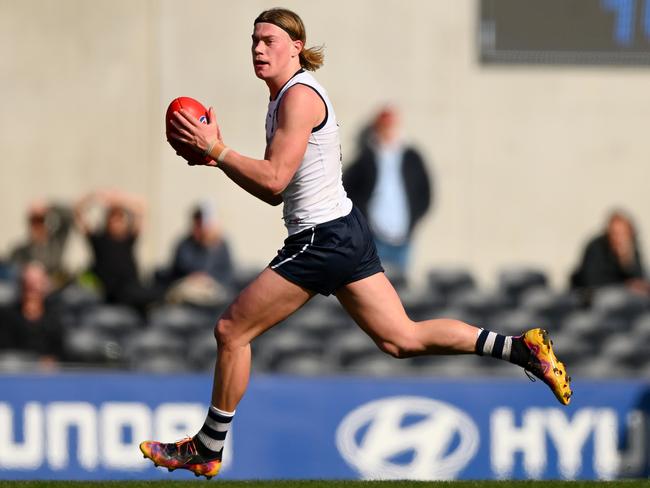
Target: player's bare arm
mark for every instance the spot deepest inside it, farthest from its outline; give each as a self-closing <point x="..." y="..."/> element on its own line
<point x="301" y="110"/>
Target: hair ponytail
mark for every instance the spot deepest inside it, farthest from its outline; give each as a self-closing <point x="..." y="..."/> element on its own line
<point x="312" y="58"/>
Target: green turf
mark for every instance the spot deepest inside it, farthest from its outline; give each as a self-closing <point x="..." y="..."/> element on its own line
<point x="326" y="484"/>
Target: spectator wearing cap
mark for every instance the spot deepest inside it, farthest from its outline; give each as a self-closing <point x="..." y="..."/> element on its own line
<point x="202" y="258"/>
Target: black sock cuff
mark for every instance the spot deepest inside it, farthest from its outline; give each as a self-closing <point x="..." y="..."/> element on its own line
<point x="480" y="341"/>
<point x="205" y="451"/>
<point x="519" y="352"/>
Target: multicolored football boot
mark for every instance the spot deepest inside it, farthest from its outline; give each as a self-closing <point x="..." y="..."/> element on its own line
<point x="180" y="455"/>
<point x="543" y="364"/>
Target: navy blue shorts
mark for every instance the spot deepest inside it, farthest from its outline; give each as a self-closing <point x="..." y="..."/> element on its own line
<point x="329" y="255"/>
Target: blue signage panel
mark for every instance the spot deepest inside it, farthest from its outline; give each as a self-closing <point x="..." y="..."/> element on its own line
<point x="88" y="426"/>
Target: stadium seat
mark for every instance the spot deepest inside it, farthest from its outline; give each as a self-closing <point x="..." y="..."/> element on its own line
<point x="320" y="329"/>
<point x="552" y="305"/>
<point x="479" y="303"/>
<point x="448" y="281"/>
<point x="619" y="303"/>
<point x="457" y="366"/>
<point x="319" y="320"/>
<point x="591" y="327"/>
<point x="160" y="364"/>
<point x="89" y="345"/>
<point x="501" y="369"/>
<point x="13" y="361"/>
<point x="599" y="367"/>
<point x="514" y="281"/>
<point x="570" y="349"/>
<point x="8" y="293"/>
<point x="242" y="277"/>
<point x="202" y="351"/>
<point x="515" y="322"/>
<point x="397" y="277"/>
<point x="459" y="314"/>
<point x="422" y="304"/>
<point x="153" y="343"/>
<point x="212" y="312"/>
<point x="623" y="350"/>
<point x="378" y="365"/>
<point x="303" y="364"/>
<point x="641" y="328"/>
<point x="181" y="320"/>
<point x="644" y="370"/>
<point x="275" y="345"/>
<point x="77" y="299"/>
<point x="114" y="321"/>
<point x="349" y="346"/>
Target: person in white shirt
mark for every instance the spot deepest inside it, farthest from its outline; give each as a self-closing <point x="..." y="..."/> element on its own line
<point x="390" y="183"/>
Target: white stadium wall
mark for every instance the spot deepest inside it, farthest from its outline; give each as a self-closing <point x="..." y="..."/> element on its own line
<point x="527" y="159"/>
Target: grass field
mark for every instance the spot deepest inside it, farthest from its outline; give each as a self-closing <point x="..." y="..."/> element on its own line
<point x="326" y="484"/>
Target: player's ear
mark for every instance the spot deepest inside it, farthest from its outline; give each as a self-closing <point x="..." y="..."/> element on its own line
<point x="297" y="48"/>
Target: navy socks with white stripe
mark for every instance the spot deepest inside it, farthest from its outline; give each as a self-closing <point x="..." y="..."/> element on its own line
<point x="212" y="435"/>
<point x="508" y="348"/>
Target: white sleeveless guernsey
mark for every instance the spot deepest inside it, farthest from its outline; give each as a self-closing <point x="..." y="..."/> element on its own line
<point x="315" y="193"/>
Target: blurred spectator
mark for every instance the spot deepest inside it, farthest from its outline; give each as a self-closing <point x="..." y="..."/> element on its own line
<point x="114" y="262"/>
<point x="202" y="268"/>
<point x="33" y="324"/>
<point x="389" y="183"/>
<point x="48" y="228"/>
<point x="6" y="270"/>
<point x="612" y="257"/>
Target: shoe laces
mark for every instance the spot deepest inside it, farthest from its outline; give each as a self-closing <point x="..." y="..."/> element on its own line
<point x="188" y="443"/>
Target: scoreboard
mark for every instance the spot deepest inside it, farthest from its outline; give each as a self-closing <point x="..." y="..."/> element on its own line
<point x="565" y="31"/>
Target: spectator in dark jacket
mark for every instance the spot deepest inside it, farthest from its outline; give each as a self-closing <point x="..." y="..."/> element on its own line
<point x="113" y="247"/>
<point x="203" y="250"/>
<point x="33" y="323"/>
<point x="389" y="183"/>
<point x="612" y="258"/>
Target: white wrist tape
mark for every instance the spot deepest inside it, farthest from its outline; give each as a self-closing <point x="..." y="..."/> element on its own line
<point x="209" y="149"/>
<point x="222" y="154"/>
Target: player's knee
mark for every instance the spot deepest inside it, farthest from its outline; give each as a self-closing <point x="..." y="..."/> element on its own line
<point x="230" y="334"/>
<point x="224" y="332"/>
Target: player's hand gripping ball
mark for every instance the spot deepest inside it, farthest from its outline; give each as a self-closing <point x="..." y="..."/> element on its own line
<point x="196" y="109"/>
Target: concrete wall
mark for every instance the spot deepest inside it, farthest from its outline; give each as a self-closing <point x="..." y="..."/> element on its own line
<point x="527" y="160"/>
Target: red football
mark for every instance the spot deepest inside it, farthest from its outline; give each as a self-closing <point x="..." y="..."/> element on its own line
<point x="195" y="108"/>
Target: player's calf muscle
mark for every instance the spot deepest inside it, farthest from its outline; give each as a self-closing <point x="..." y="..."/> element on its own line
<point x="403" y="343"/>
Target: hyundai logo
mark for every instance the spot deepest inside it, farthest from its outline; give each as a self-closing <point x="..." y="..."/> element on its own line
<point x="407" y="437"/>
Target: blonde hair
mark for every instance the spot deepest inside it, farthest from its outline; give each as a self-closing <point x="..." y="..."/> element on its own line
<point x="310" y="58"/>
